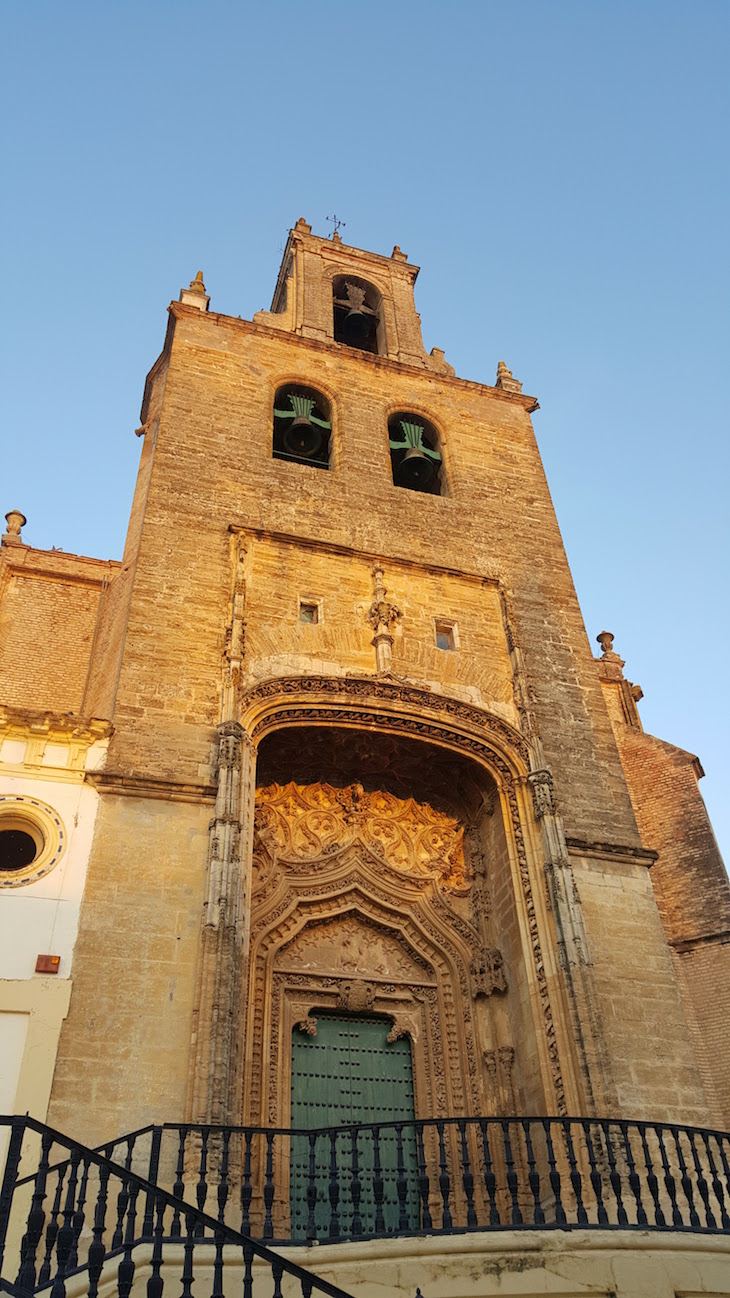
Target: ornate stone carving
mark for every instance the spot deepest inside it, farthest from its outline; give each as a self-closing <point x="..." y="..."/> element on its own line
<point x="541" y="784"/>
<point x="351" y="947"/>
<point x="382" y="616"/>
<point x="498" y="1066"/>
<point x="487" y="972"/>
<point x="349" y="701"/>
<point x="308" y="1026"/>
<point x="303" y="822"/>
<point x="356" y="996"/>
<point x="372" y="690"/>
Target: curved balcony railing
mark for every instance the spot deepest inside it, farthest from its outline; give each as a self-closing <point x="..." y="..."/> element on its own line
<point x="431" y="1176"/>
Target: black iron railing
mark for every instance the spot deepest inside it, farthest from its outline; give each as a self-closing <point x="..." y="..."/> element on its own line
<point x="407" y="1178"/>
<point x="80" y="1214"/>
<point x="450" y="1174"/>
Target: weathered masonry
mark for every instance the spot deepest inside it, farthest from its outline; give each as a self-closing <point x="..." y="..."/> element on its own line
<point x="347" y="826"/>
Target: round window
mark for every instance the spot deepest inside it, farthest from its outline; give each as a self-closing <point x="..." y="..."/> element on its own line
<point x="32" y="839"/>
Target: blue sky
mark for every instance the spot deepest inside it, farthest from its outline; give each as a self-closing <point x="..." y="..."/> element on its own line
<point x="560" y="172"/>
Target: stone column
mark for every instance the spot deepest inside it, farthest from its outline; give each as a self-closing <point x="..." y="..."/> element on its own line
<point x="220" y="1009"/>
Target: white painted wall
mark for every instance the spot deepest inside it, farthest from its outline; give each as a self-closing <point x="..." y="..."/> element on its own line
<point x="41" y="918"/>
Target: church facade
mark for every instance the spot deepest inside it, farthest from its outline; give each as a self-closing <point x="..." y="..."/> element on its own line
<point x="319" y="799"/>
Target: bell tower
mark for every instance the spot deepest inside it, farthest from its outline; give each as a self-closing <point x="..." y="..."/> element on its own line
<point x="332" y="293"/>
<point x="362" y="770"/>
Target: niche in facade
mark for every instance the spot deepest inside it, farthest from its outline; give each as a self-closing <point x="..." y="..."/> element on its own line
<point x="302" y="426"/>
<point x="358" y="315"/>
<point x="415" y="456"/>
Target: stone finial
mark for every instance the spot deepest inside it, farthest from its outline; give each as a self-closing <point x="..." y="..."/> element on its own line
<point x="605" y="641"/>
<point x="15" y="521"/>
<point x="196" y="294"/>
<point x="439" y="361"/>
<point x="505" y="382"/>
<point x="303" y="226"/>
<point x="397" y="255"/>
<point x="611" y="670"/>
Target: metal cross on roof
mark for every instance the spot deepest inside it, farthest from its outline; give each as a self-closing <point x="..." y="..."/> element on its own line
<point x="337" y="224"/>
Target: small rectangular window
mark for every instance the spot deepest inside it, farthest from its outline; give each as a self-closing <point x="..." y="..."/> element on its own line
<point x="308" y="612"/>
<point x="445" y="638"/>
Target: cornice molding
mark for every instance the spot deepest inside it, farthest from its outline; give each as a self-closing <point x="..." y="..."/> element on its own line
<point x="179" y="311"/>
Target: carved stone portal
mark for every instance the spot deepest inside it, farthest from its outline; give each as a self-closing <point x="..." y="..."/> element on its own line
<point x="361" y="904"/>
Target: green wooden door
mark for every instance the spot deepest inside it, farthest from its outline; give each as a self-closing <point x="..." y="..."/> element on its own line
<point x="350" y="1073"/>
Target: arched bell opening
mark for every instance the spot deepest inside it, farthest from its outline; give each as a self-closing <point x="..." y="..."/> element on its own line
<point x="382" y="885"/>
<point x="358" y="315"/>
<point x="415" y="454"/>
<point x="302" y="426"/>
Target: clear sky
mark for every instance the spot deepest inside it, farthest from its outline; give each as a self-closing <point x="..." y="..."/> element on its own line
<point x="558" y="169"/>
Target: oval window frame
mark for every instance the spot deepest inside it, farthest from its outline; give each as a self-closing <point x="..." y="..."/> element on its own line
<point x="43" y="825"/>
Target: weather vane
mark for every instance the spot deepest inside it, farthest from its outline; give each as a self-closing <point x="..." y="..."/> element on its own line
<point x="337" y="224"/>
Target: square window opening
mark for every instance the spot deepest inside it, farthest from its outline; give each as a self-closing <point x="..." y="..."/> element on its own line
<point x="445" y="638"/>
<point x="308" y="612"/>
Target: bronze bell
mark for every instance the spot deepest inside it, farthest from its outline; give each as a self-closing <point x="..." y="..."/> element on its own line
<point x="415" y="469"/>
<point x="302" y="438"/>
<point x="356" y="328"/>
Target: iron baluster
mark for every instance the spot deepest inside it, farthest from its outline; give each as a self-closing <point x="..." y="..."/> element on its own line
<point x="634" y="1179"/>
<point x="444" y="1179"/>
<point x="669" y="1182"/>
<point x="218" y="1266"/>
<point x="702" y="1185"/>
<point x="355" y="1185"/>
<point x="247" y="1271"/>
<point x="187" y="1271"/>
<point x="378" y="1186"/>
<point x="246" y="1188"/>
<point x="306" y="1286"/>
<point x="467" y="1177"/>
<point x="201" y="1189"/>
<point x="615" y="1177"/>
<point x="721" y="1140"/>
<point x="716" y="1183"/>
<point x="223" y="1181"/>
<point x="575" y="1176"/>
<point x="686" y="1184"/>
<point x="277" y="1271"/>
<point x="490" y="1180"/>
<point x="178" y="1188"/>
<point x="334" y="1189"/>
<point x="269" y="1187"/>
<point x="44" y="1274"/>
<point x="651" y="1179"/>
<point x="156" y="1284"/>
<point x="97" y="1252"/>
<point x="595" y="1175"/>
<point x="533" y="1176"/>
<point x="424" y="1184"/>
<point x="36" y="1219"/>
<point x="77" y="1221"/>
<point x="512" y="1182"/>
<point x="125" y="1271"/>
<point x="312" y="1188"/>
<point x="10" y="1176"/>
<point x="554" y="1176"/>
<point x="153" y="1173"/>
<point x="401" y="1182"/>
<point x="64" y="1239"/>
<point x="123" y="1198"/>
